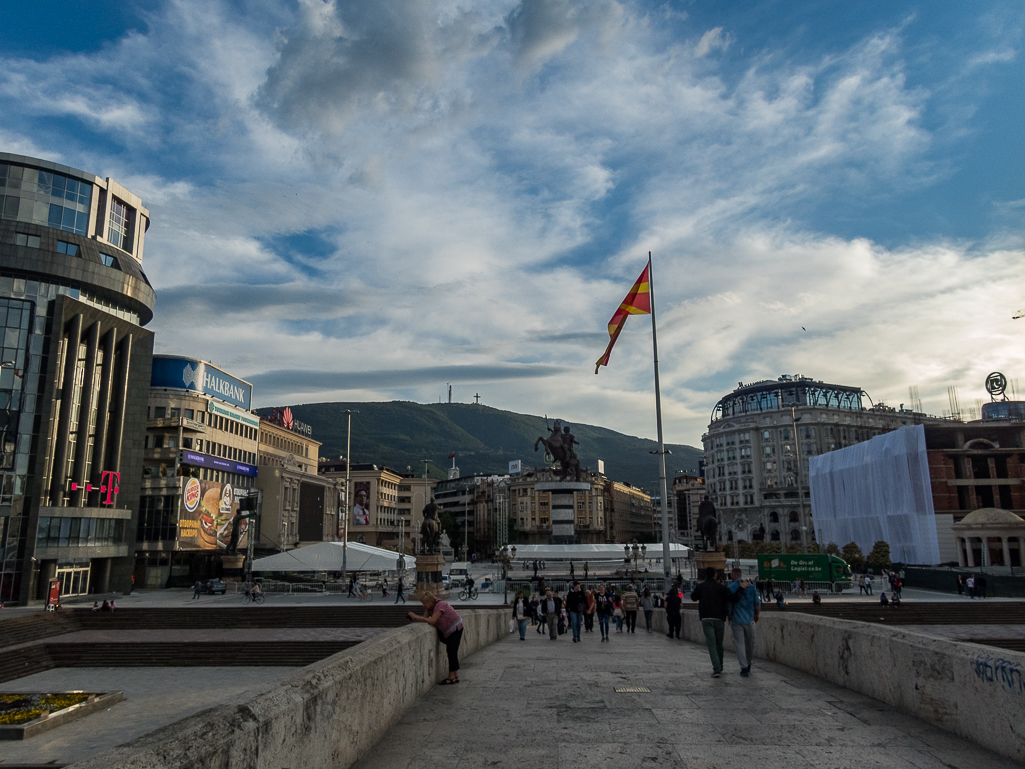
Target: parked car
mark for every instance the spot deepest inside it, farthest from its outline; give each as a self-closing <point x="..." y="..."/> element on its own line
<point x="446" y="581"/>
<point x="214" y="586"/>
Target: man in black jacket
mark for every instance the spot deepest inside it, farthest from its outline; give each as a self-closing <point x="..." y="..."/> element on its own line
<point x="551" y="608"/>
<point x="713" y="601"/>
<point x="674" y="601"/>
<point x="575" y="604"/>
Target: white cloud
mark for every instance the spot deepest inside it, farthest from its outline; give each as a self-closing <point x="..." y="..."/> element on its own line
<point x="485" y="180"/>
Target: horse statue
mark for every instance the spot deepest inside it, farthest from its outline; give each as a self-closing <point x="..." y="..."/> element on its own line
<point x="707" y="523"/>
<point x="559" y="446"/>
<point x="430" y="529"/>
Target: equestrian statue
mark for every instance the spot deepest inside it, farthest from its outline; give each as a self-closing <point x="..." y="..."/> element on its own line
<point x="559" y="446"/>
<point x="430" y="530"/>
<point x="707" y="523"/>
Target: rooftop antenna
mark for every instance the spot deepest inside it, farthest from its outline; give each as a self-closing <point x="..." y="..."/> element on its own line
<point x="450" y="393"/>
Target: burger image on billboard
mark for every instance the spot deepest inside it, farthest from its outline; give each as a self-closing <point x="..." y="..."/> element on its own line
<point x="209" y="512"/>
<point x="205" y="515"/>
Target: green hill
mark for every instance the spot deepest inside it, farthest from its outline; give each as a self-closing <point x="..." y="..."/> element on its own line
<point x="401" y="434"/>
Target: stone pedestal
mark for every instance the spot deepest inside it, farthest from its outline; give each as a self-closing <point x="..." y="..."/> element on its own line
<point x="704" y="559"/>
<point x="428" y="577"/>
<point x="232" y="565"/>
<point x="564" y="509"/>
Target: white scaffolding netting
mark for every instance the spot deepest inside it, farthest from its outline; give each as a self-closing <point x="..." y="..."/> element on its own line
<point x="877" y="490"/>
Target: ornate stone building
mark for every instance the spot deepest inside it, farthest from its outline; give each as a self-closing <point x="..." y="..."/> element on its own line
<point x="759" y="441"/>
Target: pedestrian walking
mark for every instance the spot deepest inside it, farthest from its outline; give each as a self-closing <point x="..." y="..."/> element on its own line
<point x="898" y="585"/>
<point x="521" y="608"/>
<point x="535" y="608"/>
<point x="861" y="584"/>
<point x="631" y="603"/>
<point x="551" y="608"/>
<point x="970" y="586"/>
<point x="980" y="586"/>
<point x="745" y="611"/>
<point x="449" y="625"/>
<point x="868" y="583"/>
<point x="352" y="585"/>
<point x="674" y="602"/>
<point x="960" y="585"/>
<point x="770" y="589"/>
<point x="617" y="612"/>
<point x="384" y="588"/>
<point x="400" y="588"/>
<point x="713" y="601"/>
<point x="603" y="609"/>
<point x="589" y="610"/>
<point x="576" y="602"/>
<point x="648" y="606"/>
<point x="197" y="590"/>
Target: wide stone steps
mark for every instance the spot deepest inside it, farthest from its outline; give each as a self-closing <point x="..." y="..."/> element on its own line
<point x="25" y="661"/>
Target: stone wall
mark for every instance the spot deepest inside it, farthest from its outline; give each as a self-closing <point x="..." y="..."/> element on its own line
<point x="326" y="716"/>
<point x="972" y="690"/>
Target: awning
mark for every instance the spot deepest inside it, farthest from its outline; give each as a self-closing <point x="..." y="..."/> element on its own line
<point x="327" y="556"/>
<point x="593" y="552"/>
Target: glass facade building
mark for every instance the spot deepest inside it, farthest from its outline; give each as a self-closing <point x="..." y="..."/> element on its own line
<point x="74" y="372"/>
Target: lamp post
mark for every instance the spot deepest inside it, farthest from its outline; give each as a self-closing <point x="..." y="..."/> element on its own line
<point x="636" y="552"/>
<point x="506" y="555"/>
<point x="345" y="513"/>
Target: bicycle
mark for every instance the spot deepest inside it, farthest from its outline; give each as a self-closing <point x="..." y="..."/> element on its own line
<point x="253" y="597"/>
<point x="364" y="595"/>
<point x="468" y="594"/>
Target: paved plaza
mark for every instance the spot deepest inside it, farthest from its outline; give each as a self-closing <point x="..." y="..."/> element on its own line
<point x="543" y="703"/>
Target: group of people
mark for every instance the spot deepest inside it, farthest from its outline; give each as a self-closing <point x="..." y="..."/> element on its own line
<point x="107" y="605"/>
<point x="577" y="611"/>
<point x="972" y="586"/>
<point x="737" y="602"/>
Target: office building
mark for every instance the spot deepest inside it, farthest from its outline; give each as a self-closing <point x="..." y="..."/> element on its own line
<point x="74" y="375"/>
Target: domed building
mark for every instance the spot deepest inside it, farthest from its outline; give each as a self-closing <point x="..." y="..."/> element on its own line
<point x="989" y="537"/>
<point x="758" y="444"/>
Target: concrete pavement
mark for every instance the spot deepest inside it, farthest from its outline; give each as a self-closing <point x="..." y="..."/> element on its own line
<point x="553" y="704"/>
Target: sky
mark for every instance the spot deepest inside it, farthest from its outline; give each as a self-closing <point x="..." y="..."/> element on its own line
<point x="370" y="201"/>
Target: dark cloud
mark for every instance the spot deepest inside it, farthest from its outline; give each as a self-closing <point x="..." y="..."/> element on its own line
<point x="287" y="382"/>
<point x="583" y="338"/>
<point x="540" y="29"/>
<point x="189" y="304"/>
<point x="344" y="57"/>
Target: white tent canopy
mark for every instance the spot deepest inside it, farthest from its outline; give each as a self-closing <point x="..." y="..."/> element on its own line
<point x="592" y="552"/>
<point x="327" y="556"/>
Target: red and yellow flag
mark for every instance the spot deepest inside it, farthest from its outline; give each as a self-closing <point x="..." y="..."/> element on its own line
<point x="637" y="302"/>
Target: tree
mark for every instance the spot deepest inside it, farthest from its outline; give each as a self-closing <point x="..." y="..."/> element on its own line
<point x="879" y="558"/>
<point x="813" y="547"/>
<point x="769" y="547"/>
<point x="794" y="548"/>
<point x="833" y="549"/>
<point x="746" y="550"/>
<point x="852" y="554"/>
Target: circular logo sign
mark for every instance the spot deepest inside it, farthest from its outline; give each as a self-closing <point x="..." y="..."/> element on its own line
<point x="227" y="499"/>
<point x="996" y="383"/>
<point x="192" y="495"/>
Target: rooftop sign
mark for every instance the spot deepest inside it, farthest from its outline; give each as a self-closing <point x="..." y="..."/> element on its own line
<point x="200" y="377"/>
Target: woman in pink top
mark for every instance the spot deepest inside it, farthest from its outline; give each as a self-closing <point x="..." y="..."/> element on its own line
<point x="449" y="625"/>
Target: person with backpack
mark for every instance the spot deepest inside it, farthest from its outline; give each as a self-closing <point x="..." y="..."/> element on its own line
<point x="713" y="600"/>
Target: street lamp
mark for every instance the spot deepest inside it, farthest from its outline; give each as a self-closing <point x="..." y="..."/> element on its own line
<point x="345" y="519"/>
<point x="636" y="553"/>
<point x="505" y="555"/>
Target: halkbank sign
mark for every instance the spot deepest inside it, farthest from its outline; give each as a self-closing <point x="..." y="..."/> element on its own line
<point x="200" y="377"/>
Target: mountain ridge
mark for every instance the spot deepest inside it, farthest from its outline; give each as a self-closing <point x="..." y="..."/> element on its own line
<point x="402" y="434"/>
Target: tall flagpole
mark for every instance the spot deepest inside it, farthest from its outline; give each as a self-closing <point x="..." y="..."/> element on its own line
<point x="666" y="562"/>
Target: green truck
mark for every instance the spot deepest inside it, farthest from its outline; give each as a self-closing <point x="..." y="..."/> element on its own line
<point x="813" y="567"/>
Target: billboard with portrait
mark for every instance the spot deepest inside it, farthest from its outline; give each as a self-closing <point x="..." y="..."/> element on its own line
<point x="206" y="513"/>
<point x="361" y="503"/>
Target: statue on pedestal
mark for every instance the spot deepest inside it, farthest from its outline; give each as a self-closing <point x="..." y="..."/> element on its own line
<point x="430" y="530"/>
<point x="708" y="524"/>
<point x="559" y="446"/>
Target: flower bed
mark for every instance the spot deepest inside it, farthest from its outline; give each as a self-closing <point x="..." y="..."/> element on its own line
<point x="24" y="714"/>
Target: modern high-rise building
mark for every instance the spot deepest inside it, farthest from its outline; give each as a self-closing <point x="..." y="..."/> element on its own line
<point x="74" y="378"/>
<point x="762" y="433"/>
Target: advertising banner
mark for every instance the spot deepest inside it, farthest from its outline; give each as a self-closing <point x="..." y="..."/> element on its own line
<point x="206" y="514"/>
<point x="361" y="506"/>
<point x="200" y="377"/>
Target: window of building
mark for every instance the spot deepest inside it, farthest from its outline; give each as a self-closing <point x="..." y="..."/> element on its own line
<point x="784" y="433"/>
<point x="110" y="261"/>
<point x="117" y="231"/>
<point x="21" y="239"/>
<point x="766" y="436"/>
<point x="773" y="517"/>
<point x="190" y="414"/>
<point x="63" y="247"/>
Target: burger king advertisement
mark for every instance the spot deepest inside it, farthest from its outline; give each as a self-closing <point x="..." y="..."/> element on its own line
<point x="206" y="514"/>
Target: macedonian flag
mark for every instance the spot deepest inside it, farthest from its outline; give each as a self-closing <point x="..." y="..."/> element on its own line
<point x="637" y="302"/>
